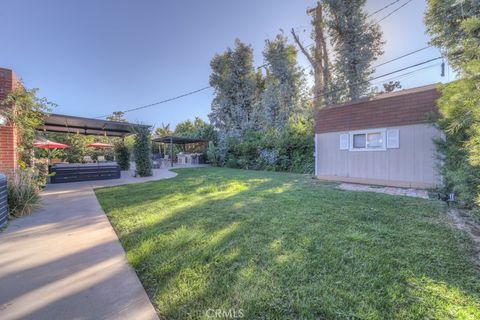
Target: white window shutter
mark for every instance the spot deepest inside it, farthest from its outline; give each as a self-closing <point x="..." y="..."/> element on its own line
<point x="344" y="141"/>
<point x="393" y="139"/>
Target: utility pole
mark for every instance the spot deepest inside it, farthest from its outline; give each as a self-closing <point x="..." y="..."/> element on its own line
<point x="318" y="57"/>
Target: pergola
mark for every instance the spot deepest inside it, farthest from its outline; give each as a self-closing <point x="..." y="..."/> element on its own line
<point x="87" y="126"/>
<point x="171" y="140"/>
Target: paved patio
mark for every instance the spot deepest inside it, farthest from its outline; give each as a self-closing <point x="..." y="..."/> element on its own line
<point x="65" y="260"/>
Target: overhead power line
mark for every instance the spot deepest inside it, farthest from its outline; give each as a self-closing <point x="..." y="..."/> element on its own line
<point x="403" y="75"/>
<point x="160" y="102"/>
<point x="403" y="56"/>
<point x="388" y="15"/>
<point x="377" y="77"/>
<point x="406" y="68"/>
<point x="400" y="57"/>
<point x="383" y="8"/>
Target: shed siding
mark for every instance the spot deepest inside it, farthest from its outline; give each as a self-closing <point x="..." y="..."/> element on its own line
<point x="412" y="165"/>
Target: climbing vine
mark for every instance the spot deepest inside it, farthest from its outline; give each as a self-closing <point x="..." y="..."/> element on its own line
<point x="26" y="111"/>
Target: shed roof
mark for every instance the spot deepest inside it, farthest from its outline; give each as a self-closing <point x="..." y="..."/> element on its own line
<point x="399" y="108"/>
<point x="178" y="140"/>
<point x="72" y="124"/>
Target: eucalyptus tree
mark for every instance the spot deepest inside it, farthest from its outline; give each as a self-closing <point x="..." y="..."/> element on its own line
<point x="356" y="43"/>
<point x="235" y="81"/>
<point x="347" y="42"/>
<point x="284" y="84"/>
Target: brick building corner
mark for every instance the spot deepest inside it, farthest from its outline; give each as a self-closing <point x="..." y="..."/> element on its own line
<point x="8" y="136"/>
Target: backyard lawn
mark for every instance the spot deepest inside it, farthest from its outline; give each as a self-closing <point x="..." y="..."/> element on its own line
<point x="272" y="245"/>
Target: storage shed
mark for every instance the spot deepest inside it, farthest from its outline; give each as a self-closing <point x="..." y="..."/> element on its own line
<point x="385" y="140"/>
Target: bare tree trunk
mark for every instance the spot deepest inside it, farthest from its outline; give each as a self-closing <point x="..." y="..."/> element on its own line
<point x="319" y="60"/>
<point x="323" y="52"/>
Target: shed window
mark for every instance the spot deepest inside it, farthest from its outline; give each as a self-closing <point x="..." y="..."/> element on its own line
<point x="367" y="140"/>
<point x="375" y="140"/>
<point x="359" y="141"/>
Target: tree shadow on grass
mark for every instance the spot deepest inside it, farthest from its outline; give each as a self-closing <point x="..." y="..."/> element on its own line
<point x="280" y="250"/>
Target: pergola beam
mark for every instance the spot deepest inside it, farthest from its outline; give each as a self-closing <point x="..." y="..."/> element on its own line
<point x="87" y="126"/>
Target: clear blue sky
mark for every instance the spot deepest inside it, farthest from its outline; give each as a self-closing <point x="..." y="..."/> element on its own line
<point x="93" y="57"/>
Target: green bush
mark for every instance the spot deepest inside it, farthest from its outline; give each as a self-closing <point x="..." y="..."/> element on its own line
<point x="23" y="192"/>
<point x="290" y="148"/>
<point x="458" y="108"/>
<point x="41" y="171"/>
<point x="142" y="151"/>
<point x="213" y="155"/>
<point x="123" y="156"/>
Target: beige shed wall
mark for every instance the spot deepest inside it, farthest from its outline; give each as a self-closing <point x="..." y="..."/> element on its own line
<point x="414" y="164"/>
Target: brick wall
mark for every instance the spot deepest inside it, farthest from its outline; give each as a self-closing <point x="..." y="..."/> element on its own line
<point x="8" y="136"/>
<point x="400" y="108"/>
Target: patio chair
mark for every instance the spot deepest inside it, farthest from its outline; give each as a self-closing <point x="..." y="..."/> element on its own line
<point x="101" y="159"/>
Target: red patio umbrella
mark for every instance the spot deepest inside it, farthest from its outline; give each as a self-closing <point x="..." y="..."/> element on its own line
<point x="47" y="144"/>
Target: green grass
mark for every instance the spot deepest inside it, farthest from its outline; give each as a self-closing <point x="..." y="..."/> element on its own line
<point x="284" y="246"/>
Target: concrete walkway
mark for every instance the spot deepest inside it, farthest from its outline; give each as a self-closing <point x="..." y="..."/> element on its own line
<point x="416" y="193"/>
<point x="65" y="261"/>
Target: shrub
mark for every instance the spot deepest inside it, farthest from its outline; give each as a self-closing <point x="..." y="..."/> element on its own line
<point x="458" y="112"/>
<point x="123" y="156"/>
<point x="268" y="159"/>
<point x="142" y="151"/>
<point x="41" y="171"/>
<point x="289" y="148"/>
<point x="23" y="192"/>
<point x="213" y="154"/>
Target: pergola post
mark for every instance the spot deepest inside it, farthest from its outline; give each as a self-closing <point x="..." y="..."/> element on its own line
<point x="171" y="151"/>
<point x="177" y="140"/>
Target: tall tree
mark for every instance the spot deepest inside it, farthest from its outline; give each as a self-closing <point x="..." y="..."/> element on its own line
<point x="455" y="28"/>
<point x="196" y="129"/>
<point x="163" y="130"/>
<point x="356" y="42"/>
<point x="235" y="81"/>
<point x="444" y="20"/>
<point x="284" y="81"/>
<point x="318" y="57"/>
<point x="118" y="116"/>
